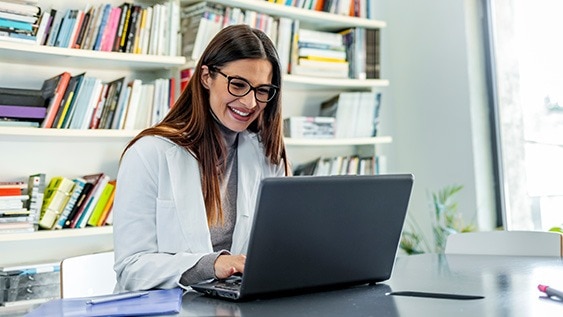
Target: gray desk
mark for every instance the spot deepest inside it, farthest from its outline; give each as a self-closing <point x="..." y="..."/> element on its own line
<point x="509" y="285"/>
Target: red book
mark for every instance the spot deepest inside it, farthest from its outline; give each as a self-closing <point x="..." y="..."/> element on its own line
<point x="53" y="91"/>
<point x="13" y="191"/>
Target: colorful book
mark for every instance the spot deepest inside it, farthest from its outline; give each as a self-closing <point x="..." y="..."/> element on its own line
<point x="74" y="196"/>
<point x="53" y="91"/>
<point x="23" y="112"/>
<point x="79" y="205"/>
<point x="67" y="100"/>
<point x="102" y="180"/>
<point x="57" y="194"/>
<point x="101" y="204"/>
<point x="109" y="206"/>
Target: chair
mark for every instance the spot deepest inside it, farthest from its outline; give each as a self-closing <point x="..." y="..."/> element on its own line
<point x="517" y="243"/>
<point x="88" y="275"/>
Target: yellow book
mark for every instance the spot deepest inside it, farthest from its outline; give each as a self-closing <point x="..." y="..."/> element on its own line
<point x="56" y="196"/>
<point x="100" y="206"/>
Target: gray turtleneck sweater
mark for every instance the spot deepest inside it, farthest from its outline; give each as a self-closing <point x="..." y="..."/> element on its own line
<point x="221" y="234"/>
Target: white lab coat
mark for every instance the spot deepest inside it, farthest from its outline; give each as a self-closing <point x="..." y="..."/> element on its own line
<point x="160" y="224"/>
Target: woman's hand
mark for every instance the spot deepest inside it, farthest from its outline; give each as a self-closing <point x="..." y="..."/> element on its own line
<point x="227" y="265"/>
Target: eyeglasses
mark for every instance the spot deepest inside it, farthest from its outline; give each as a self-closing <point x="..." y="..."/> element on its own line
<point x="240" y="87"/>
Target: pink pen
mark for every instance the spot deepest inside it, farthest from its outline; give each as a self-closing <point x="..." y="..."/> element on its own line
<point x="550" y="291"/>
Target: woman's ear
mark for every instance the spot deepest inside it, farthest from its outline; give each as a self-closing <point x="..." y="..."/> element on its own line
<point x="205" y="76"/>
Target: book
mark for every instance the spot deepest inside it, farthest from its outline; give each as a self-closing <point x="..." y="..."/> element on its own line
<point x="79" y="107"/>
<point x="77" y="189"/>
<point x="109" y="206"/>
<point x="95" y="181"/>
<point x="101" y="204"/>
<point x="57" y="194"/>
<point x="53" y="91"/>
<point x="66" y="101"/>
<point x="309" y="127"/>
<point x="22" y="97"/>
<point x="80" y="202"/>
<point x="36" y="190"/>
<point x="102" y="180"/>
<point x="115" y="91"/>
<point x="23" y="112"/>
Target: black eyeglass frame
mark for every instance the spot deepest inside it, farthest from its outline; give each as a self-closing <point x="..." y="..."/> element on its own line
<point x="273" y="88"/>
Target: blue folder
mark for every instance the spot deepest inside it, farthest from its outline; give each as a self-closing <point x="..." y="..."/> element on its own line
<point x="156" y="302"/>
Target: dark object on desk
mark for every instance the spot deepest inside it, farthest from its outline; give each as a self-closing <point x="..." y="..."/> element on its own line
<point x="314" y="233"/>
<point x="436" y="295"/>
<point x="156" y="302"/>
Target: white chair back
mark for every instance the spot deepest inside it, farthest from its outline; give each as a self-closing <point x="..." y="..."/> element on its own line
<point x="516" y="243"/>
<point x="88" y="275"/>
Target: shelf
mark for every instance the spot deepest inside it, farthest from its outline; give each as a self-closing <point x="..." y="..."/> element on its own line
<point x="345" y="83"/>
<point x="338" y="142"/>
<point x="56" y="234"/>
<point x="50" y="134"/>
<point x="45" y="55"/>
<point x="320" y="20"/>
<point x="53" y="245"/>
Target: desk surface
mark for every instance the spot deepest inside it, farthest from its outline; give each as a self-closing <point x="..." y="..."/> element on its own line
<point x="509" y="285"/>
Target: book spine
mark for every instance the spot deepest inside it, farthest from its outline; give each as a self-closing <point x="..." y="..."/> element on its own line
<point x="76" y="190"/>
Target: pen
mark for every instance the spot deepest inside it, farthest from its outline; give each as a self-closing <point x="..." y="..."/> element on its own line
<point x="550" y="291"/>
<point x="116" y="297"/>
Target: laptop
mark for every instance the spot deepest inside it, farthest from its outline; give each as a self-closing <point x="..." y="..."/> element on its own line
<point x="313" y="233"/>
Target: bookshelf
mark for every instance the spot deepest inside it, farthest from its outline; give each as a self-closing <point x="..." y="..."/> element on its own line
<point x="66" y="152"/>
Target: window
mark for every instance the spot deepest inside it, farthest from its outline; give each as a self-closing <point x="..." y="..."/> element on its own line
<point x="526" y="59"/>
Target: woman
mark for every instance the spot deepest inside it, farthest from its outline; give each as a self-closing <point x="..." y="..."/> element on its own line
<point x="187" y="187"/>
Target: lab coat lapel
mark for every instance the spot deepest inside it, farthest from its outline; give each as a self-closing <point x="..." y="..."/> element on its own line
<point x="186" y="188"/>
<point x="248" y="182"/>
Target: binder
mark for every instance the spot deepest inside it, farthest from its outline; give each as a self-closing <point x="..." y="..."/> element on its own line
<point x="156" y="302"/>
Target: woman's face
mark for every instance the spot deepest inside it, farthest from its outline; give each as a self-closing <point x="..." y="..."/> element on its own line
<point x="237" y="113"/>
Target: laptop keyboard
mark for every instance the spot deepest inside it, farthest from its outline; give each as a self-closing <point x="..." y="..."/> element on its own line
<point x="230" y="284"/>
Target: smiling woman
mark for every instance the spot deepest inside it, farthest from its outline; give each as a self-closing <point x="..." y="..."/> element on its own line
<point x="187" y="187"/>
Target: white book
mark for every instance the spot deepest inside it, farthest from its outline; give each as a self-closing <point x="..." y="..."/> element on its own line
<point x="92" y="103"/>
<point x="284" y="43"/>
<point x="146" y="31"/>
<point x="320" y="37"/>
<point x="174" y="27"/>
<point x="133" y="104"/>
<point x="146" y="102"/>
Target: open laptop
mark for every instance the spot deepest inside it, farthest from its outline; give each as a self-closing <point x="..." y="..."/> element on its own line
<point x="313" y="233"/>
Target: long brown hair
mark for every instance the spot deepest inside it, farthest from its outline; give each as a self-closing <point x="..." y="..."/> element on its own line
<point x="190" y="123"/>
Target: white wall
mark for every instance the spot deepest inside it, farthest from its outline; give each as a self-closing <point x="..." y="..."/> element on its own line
<point x="435" y="107"/>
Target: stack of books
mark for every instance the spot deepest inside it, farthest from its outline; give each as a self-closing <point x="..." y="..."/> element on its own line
<point x="309" y="127"/>
<point x="319" y="54"/>
<point x="14" y="216"/>
<point x="19" y="20"/>
<point x="21" y="107"/>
